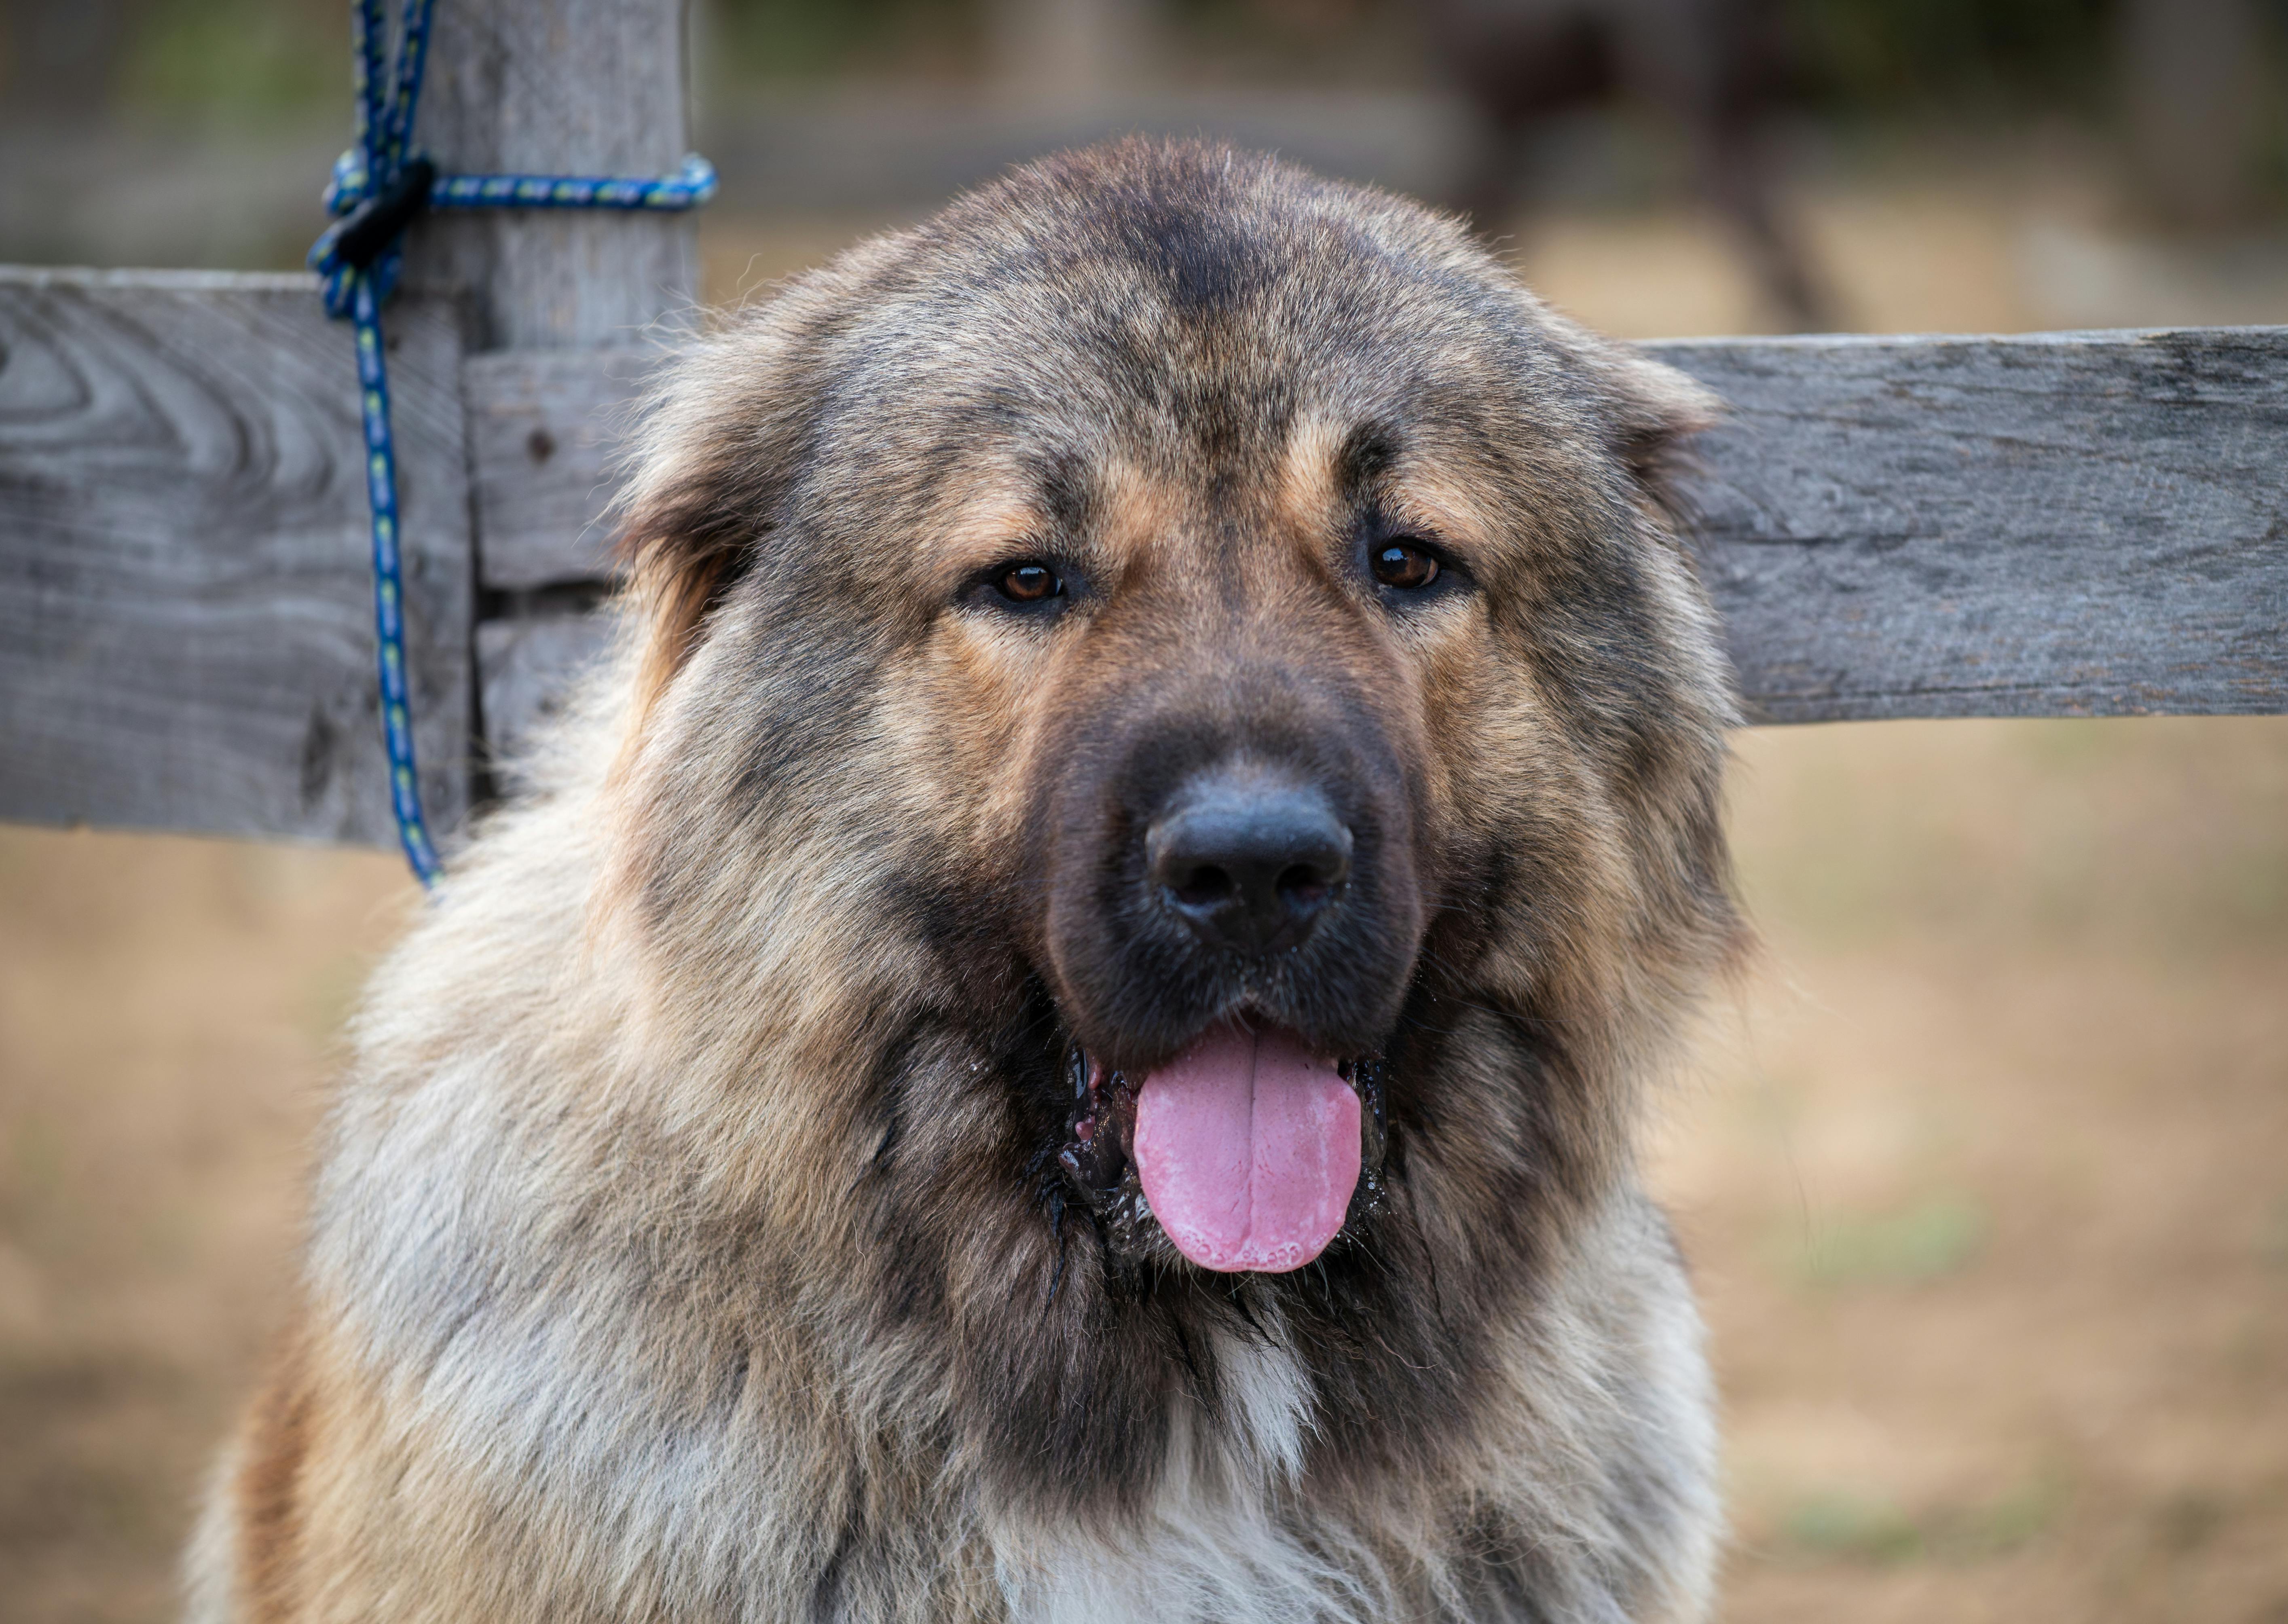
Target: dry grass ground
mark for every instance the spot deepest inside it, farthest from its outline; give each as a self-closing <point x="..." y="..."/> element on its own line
<point x="1987" y="1182"/>
<point x="1985" y="1171"/>
<point x="168" y="1011"/>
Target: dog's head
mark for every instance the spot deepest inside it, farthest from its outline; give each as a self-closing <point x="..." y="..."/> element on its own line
<point x="1173" y="682"/>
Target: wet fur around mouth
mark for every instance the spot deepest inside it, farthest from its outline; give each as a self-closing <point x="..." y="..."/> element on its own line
<point x="702" y="1229"/>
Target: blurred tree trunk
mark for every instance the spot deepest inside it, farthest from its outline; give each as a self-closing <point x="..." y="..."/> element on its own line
<point x="2192" y="80"/>
<point x="59" y="59"/>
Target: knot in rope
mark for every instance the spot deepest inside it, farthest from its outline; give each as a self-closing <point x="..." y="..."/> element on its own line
<point x="378" y="187"/>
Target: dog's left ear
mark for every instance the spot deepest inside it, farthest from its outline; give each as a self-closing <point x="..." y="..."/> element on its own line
<point x="1653" y="412"/>
<point x="1646" y="412"/>
<point x="1663" y="408"/>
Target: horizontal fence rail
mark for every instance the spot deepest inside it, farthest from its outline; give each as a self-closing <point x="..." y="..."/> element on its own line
<point x="2063" y="524"/>
<point x="185" y="568"/>
<point x="2058" y="525"/>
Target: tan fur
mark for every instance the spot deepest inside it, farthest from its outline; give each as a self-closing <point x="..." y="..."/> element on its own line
<point x="681" y="1248"/>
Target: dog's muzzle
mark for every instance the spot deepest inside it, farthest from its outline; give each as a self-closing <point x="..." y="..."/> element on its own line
<point x="1233" y="918"/>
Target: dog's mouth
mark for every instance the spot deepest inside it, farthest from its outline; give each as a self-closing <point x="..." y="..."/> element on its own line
<point x="1248" y="1151"/>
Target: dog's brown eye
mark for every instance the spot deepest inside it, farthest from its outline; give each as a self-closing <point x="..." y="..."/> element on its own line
<point x="1401" y="563"/>
<point x="1029" y="583"/>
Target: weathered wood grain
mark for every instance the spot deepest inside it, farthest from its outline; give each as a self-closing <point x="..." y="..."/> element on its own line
<point x="544" y="431"/>
<point x="2074" y="524"/>
<point x="527" y="666"/>
<point x="185" y="603"/>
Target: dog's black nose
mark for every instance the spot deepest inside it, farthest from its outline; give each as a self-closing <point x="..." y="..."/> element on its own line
<point x="1249" y="865"/>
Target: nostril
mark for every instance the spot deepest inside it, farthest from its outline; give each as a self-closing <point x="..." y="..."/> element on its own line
<point x="1304" y="886"/>
<point x="1203" y="887"/>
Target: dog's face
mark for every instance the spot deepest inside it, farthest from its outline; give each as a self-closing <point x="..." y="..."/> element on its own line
<point x="1185" y="664"/>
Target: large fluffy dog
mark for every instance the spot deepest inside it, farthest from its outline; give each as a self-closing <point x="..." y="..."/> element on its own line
<point x="1060" y="1041"/>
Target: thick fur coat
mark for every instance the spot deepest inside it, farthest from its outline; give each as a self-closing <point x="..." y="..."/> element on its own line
<point x="706" y="1229"/>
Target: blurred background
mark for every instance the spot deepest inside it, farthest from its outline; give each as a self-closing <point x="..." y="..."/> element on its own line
<point x="1984" y="1170"/>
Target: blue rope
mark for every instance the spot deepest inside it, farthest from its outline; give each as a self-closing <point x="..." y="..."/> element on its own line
<point x="378" y="186"/>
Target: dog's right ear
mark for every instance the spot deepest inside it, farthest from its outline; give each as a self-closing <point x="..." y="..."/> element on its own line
<point x="720" y="446"/>
<point x="713" y="455"/>
<point x="680" y="560"/>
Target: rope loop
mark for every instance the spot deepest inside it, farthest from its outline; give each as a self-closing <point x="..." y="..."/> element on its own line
<point x="378" y="188"/>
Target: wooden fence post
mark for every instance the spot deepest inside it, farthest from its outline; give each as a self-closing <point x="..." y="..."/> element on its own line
<point x="557" y="87"/>
<point x="594" y="87"/>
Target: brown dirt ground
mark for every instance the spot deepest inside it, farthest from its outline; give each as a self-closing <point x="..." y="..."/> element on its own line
<point x="1984" y="1170"/>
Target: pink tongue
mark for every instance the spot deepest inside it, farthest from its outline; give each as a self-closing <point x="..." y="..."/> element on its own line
<point x="1248" y="1145"/>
